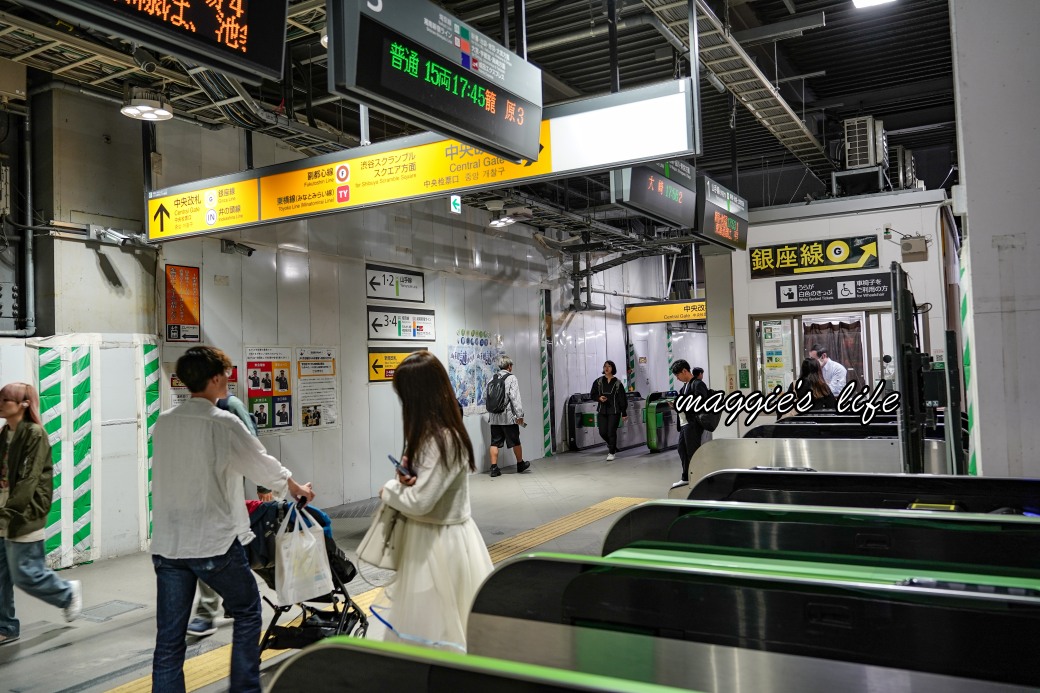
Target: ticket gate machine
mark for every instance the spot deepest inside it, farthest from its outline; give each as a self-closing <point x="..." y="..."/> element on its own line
<point x="583" y="424"/>
<point x="662" y="432"/>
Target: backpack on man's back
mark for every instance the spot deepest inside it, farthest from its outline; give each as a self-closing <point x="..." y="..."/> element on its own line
<point x="497" y="400"/>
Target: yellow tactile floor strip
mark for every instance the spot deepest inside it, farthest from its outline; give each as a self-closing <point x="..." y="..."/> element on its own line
<point x="213" y="666"/>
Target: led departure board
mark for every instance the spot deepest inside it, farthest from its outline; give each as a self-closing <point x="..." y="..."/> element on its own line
<point x="662" y="191"/>
<point x="428" y="68"/>
<point x="241" y="38"/>
<point x="722" y="215"/>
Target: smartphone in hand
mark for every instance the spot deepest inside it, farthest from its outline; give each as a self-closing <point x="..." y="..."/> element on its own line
<point x="400" y="467"/>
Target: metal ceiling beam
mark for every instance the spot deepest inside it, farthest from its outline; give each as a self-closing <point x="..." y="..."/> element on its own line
<point x="789" y="28"/>
<point x="927" y="87"/>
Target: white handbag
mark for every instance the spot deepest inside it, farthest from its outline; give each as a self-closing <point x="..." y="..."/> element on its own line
<point x="382" y="541"/>
<point x="302" y="570"/>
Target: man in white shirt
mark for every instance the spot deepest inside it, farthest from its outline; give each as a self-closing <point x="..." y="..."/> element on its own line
<point x="199" y="518"/>
<point x="833" y="372"/>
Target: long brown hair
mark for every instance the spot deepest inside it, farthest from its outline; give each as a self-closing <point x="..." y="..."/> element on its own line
<point x="24" y="393"/>
<point x="429" y="408"/>
<point x="812" y="375"/>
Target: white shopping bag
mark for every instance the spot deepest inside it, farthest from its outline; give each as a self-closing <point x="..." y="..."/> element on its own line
<point x="301" y="566"/>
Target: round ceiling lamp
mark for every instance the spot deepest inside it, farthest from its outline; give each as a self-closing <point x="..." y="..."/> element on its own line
<point x="146" y="104"/>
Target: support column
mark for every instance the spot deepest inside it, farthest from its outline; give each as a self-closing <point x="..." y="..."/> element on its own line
<point x="997" y="150"/>
<point x="718" y="293"/>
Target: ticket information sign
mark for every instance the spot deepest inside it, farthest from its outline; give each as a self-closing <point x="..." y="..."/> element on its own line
<point x="183" y="304"/>
<point x="665" y="311"/>
<point x="394" y="323"/>
<point x="662" y="191"/>
<point x="394" y="283"/>
<point x="813" y="257"/>
<point x="816" y="291"/>
<point x="243" y="38"/>
<point x="415" y="61"/>
<point x="722" y="215"/>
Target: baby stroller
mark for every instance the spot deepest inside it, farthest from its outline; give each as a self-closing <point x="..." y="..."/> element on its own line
<point x="339" y="616"/>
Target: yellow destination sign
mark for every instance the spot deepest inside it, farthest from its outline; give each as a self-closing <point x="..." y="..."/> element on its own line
<point x="668" y="311"/>
<point x="383" y="363"/>
<point x="437" y="167"/>
<point x="206" y="209"/>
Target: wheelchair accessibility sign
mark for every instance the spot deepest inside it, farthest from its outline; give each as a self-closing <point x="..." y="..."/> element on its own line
<point x="826" y="291"/>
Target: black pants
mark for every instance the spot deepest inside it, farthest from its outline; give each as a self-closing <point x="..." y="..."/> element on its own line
<point x="608" y="425"/>
<point x="689" y="440"/>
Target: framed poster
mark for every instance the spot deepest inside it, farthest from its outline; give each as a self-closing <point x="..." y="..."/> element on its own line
<point x="269" y="388"/>
<point x="183" y="304"/>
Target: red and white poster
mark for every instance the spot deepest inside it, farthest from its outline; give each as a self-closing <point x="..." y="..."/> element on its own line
<point x="269" y="388"/>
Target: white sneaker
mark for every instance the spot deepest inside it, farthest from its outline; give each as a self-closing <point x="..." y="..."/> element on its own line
<point x="75" y="606"/>
<point x="679" y="483"/>
<point x="610" y="457"/>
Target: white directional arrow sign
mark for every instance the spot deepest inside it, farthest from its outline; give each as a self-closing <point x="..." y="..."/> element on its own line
<point x="397" y="324"/>
<point x="456" y="204"/>
<point x="393" y="283"/>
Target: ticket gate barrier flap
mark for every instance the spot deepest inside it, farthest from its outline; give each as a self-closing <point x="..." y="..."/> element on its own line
<point x="655" y="608"/>
<point x="370" y="666"/>
<point x="858" y="490"/>
<point x="967" y="542"/>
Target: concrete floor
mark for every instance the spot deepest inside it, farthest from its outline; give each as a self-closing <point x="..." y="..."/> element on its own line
<point x="113" y="644"/>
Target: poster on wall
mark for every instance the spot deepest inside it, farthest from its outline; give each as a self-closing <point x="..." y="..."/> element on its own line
<point x="179" y="392"/>
<point x="317" y="388"/>
<point x="269" y="387"/>
<point x="471" y="364"/>
<point x="183" y="304"/>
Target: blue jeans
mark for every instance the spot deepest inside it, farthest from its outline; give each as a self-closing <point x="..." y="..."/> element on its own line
<point x="22" y="564"/>
<point x="232" y="579"/>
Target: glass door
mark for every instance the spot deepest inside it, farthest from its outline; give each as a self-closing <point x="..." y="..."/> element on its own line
<point x="774" y="349"/>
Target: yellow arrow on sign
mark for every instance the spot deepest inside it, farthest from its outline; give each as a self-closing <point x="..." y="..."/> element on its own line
<point x="869" y="251"/>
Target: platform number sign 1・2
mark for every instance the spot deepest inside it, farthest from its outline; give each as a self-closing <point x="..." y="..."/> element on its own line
<point x="394" y="283"/>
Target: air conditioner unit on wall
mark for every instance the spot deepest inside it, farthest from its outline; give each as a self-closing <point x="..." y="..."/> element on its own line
<point x="866" y="143"/>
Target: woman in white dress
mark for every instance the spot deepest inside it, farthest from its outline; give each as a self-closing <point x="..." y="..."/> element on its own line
<point x="442" y="558"/>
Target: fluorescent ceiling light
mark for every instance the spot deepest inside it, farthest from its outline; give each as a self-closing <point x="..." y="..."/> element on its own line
<point x="869" y="3"/>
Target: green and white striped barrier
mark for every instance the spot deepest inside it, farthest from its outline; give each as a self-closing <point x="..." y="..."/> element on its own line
<point x="968" y="338"/>
<point x="671" y="378"/>
<point x="546" y="413"/>
<point x="150" y="353"/>
<point x="50" y="412"/>
<point x="631" y="349"/>
<point x="82" y="448"/>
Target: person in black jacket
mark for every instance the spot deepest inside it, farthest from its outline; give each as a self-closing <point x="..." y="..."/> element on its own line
<point x="690" y="430"/>
<point x="613" y="405"/>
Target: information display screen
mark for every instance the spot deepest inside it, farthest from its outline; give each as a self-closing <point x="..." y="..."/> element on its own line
<point x="661" y="197"/>
<point x="241" y="38"/>
<point x="723" y="215"/>
<point x="424" y="87"/>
